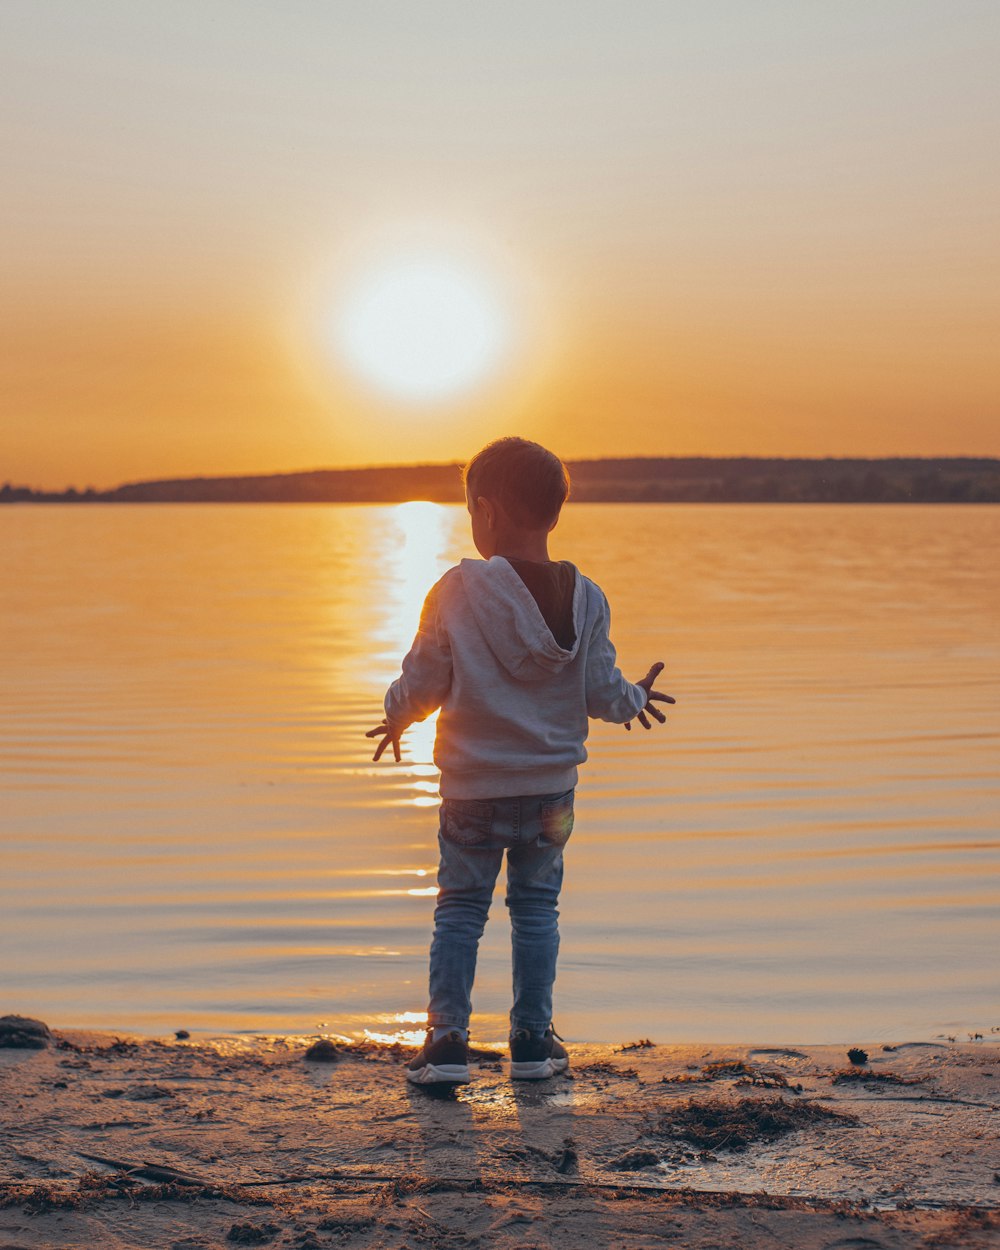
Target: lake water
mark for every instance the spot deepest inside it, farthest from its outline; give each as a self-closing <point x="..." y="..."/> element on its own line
<point x="194" y="834"/>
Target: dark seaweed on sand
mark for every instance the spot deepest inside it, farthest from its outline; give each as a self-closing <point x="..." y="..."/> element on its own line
<point x="864" y="1075"/>
<point x="39" y="1197"/>
<point x="718" y="1124"/>
<point x="723" y="1069"/>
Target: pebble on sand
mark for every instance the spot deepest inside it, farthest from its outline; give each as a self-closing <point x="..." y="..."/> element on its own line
<point x="23" y="1033"/>
<point x="323" y="1051"/>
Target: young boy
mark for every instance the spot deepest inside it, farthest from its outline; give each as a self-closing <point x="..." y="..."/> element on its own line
<point x="514" y="650"/>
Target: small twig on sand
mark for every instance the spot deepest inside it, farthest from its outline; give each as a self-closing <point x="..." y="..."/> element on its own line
<point x="153" y="1172"/>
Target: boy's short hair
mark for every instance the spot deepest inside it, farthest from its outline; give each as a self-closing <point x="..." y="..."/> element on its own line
<point x="530" y="483"/>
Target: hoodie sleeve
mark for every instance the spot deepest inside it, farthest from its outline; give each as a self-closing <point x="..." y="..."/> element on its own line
<point x="426" y="676"/>
<point x="609" y="696"/>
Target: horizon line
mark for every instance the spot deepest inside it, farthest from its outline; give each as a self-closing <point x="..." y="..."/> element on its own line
<point x="567" y="460"/>
<point x="9" y="485"/>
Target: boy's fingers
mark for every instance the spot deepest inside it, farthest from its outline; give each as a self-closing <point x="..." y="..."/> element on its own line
<point x="656" y="714"/>
<point x="643" y="721"/>
<point x="386" y="739"/>
<point x="664" y="698"/>
<point x="374" y="733"/>
<point x="628" y="726"/>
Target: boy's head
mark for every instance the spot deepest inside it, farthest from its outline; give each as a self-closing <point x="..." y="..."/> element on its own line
<point x="527" y="482"/>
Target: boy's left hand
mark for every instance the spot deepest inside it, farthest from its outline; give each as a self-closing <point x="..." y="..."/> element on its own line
<point x="388" y="735"/>
<point x="651" y="695"/>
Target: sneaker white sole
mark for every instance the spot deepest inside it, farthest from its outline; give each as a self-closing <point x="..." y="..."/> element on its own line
<point x="538" y="1070"/>
<point x="439" y="1074"/>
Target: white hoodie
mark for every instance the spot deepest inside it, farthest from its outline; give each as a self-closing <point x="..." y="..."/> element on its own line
<point x="514" y="705"/>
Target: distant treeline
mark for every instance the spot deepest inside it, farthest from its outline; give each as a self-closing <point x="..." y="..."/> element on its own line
<point x="679" y="479"/>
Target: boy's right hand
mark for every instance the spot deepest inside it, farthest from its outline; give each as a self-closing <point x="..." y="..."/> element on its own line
<point x="651" y="696"/>
<point x="389" y="735"/>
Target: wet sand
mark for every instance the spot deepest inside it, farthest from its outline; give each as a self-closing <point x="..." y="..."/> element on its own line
<point x="197" y="1143"/>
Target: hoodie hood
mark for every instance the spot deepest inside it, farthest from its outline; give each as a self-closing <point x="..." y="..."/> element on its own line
<point x="511" y="621"/>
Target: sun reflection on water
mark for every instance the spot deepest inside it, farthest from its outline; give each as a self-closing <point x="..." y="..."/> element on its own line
<point x="419" y="744"/>
<point x="407" y="1037"/>
<point x="417" y="558"/>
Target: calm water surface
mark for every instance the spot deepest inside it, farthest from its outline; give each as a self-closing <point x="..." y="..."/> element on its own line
<point x="194" y="834"/>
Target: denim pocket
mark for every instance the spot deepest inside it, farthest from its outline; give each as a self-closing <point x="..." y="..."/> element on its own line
<point x="466" y="822"/>
<point x="557" y="819"/>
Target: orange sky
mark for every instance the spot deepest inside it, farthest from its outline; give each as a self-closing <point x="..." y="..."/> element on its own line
<point x="724" y="228"/>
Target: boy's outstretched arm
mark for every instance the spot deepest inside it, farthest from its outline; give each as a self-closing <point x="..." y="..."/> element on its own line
<point x="423" y="684"/>
<point x="610" y="696"/>
<point x="651" y="696"/>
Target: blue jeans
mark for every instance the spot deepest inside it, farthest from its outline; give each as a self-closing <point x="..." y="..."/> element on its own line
<point x="474" y="833"/>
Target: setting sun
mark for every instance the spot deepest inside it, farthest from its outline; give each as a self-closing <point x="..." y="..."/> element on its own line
<point x="422" y="327"/>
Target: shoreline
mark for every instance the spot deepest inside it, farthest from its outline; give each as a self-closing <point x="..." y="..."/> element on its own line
<point x="125" y="1140"/>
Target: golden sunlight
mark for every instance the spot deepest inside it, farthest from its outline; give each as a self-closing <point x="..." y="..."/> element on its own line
<point x="422" y="326"/>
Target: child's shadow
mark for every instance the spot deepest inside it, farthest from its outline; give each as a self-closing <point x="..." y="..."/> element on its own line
<point x="498" y="1136"/>
<point x="557" y="1147"/>
<point x="445" y="1150"/>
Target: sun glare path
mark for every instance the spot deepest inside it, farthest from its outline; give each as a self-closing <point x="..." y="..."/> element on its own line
<point x="417" y="561"/>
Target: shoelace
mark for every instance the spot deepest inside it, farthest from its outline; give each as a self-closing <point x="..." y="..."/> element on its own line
<point x="524" y="1033"/>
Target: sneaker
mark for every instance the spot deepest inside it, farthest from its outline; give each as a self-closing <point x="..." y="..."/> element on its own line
<point x="445" y="1061"/>
<point x="534" y="1057"/>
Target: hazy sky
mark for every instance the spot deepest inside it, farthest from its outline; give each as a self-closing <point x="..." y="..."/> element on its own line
<point x="743" y="227"/>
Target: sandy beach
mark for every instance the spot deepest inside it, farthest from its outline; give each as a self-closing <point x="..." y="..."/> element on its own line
<point x="187" y="1143"/>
